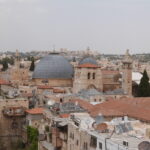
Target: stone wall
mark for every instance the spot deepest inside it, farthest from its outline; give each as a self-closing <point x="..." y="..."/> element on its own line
<point x="9" y="133"/>
<point x="54" y="82"/>
<point x="81" y="80"/>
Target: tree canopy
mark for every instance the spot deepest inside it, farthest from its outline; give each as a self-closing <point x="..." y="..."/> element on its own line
<point x="5" y="61"/>
<point x="32" y="134"/>
<point x="5" y="65"/>
<point x="144" y="86"/>
<point x="32" y="64"/>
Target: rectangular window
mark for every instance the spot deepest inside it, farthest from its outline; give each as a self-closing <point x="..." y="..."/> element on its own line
<point x="88" y="76"/>
<point x="100" y="146"/>
<point x="93" y="142"/>
<point x="77" y="142"/>
<point x="93" y="75"/>
<point x="85" y="146"/>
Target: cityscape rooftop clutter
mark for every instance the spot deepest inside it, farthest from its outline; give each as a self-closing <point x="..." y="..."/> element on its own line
<point x="75" y="102"/>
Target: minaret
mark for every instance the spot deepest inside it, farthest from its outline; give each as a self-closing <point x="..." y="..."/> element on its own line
<point x="88" y="51"/>
<point x="127" y="73"/>
<point x="17" y="63"/>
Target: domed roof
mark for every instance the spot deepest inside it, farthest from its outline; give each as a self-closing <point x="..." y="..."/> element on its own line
<point x="53" y="66"/>
<point x="145" y="145"/>
<point x="88" y="60"/>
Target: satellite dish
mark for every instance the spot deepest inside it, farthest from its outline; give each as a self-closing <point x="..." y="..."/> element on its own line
<point x="50" y="102"/>
<point x="145" y="145"/>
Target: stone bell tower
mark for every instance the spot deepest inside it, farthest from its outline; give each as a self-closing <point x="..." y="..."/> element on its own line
<point x="19" y="75"/>
<point x="127" y="74"/>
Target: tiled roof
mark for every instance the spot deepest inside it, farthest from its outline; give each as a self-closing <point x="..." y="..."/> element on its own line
<point x="101" y="127"/>
<point x="58" y="91"/>
<point x="4" y="82"/>
<point x="138" y="108"/>
<point x="44" y="87"/>
<point x="35" y="111"/>
<point x="84" y="104"/>
<point x="88" y="65"/>
<point x="64" y="115"/>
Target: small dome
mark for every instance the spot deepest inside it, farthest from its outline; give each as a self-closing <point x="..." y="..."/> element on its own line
<point x="88" y="60"/>
<point x="53" y="66"/>
<point x="102" y="127"/>
<point x="145" y="145"/>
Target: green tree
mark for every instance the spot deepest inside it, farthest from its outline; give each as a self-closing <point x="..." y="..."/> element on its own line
<point x="32" y="134"/>
<point x="5" y="61"/>
<point x="5" y="65"/>
<point x="33" y="146"/>
<point x="32" y="64"/>
<point x="47" y="128"/>
<point x="9" y="60"/>
<point x="144" y="86"/>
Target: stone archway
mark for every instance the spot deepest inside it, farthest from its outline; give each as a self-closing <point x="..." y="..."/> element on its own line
<point x="91" y="86"/>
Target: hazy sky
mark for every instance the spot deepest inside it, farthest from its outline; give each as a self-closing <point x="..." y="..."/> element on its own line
<point x="109" y="26"/>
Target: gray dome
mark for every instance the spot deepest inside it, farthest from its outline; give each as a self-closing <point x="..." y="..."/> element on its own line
<point x="88" y="60"/>
<point x="53" y="67"/>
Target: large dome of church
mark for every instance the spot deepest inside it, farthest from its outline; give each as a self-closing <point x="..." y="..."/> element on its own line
<point x="88" y="60"/>
<point x="53" y="66"/>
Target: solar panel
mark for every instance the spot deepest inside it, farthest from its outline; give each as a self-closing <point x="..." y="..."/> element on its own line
<point x="129" y="126"/>
<point x="122" y="128"/>
<point x="118" y="129"/>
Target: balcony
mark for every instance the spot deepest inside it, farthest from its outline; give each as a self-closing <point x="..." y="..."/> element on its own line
<point x="14" y="111"/>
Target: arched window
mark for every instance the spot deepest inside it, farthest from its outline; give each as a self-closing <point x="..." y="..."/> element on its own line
<point x="88" y="76"/>
<point x="93" y="75"/>
<point x="61" y="100"/>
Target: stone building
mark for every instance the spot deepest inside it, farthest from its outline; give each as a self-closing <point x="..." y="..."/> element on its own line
<point x="18" y="73"/>
<point x="12" y="119"/>
<point x="111" y="80"/>
<point x="84" y="133"/>
<point x="87" y="75"/>
<point x="34" y="116"/>
<point x="56" y="71"/>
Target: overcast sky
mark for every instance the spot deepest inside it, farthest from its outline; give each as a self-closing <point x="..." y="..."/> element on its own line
<point x="109" y="26"/>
